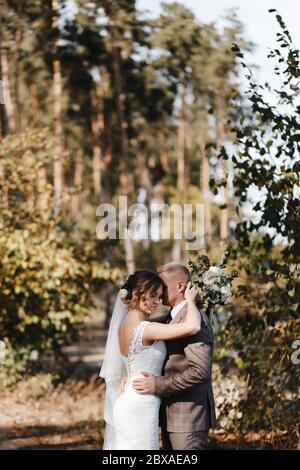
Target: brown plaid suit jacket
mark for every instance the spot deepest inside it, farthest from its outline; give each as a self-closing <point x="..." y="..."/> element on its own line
<point x="186" y="387"/>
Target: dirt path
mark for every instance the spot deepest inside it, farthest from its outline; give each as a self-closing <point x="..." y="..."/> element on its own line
<point x="36" y="414"/>
<point x="40" y="414"/>
<point x="87" y="354"/>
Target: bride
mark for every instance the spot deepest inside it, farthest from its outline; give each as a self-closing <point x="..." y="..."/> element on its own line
<point x="134" y="345"/>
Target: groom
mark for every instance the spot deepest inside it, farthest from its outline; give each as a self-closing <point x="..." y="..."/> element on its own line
<point x="187" y="409"/>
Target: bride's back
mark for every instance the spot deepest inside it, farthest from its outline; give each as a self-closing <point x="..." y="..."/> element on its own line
<point x="126" y="330"/>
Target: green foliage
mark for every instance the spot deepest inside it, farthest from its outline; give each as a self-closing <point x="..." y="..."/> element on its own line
<point x="266" y="250"/>
<point x="45" y="274"/>
<point x="44" y="290"/>
<point x="213" y="281"/>
<point x="229" y="391"/>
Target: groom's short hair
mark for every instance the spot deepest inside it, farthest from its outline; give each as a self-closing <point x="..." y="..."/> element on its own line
<point x="175" y="267"/>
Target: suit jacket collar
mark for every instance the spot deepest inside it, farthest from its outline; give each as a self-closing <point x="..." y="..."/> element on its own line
<point x="179" y="315"/>
<point x="182" y="312"/>
<point x="174" y="310"/>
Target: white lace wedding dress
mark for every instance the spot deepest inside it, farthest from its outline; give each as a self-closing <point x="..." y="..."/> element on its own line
<point x="135" y="416"/>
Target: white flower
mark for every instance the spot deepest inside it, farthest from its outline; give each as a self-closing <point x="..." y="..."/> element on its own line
<point x="212" y="275"/>
<point x="123" y="294"/>
<point x="208" y="280"/>
<point x="215" y="271"/>
<point x="225" y="291"/>
<point x="215" y="287"/>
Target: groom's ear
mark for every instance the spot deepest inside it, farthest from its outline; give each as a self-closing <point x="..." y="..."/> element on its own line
<point x="181" y="286"/>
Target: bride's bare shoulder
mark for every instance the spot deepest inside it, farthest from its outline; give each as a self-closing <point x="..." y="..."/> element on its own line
<point x="130" y="321"/>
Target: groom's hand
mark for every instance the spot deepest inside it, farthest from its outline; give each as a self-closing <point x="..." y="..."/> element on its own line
<point x="145" y="386"/>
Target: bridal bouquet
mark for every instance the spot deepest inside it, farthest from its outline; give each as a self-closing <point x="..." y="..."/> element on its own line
<point x="213" y="282"/>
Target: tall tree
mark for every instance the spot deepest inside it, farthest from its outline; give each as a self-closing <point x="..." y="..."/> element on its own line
<point x="219" y="83"/>
<point x="6" y="79"/>
<point x="3" y="78"/>
<point x="177" y="34"/>
<point x="57" y="94"/>
<point x="17" y="57"/>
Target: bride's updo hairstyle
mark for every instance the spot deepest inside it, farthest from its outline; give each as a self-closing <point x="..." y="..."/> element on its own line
<point x="138" y="285"/>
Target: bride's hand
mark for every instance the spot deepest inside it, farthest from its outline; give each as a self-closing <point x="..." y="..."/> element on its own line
<point x="190" y="292"/>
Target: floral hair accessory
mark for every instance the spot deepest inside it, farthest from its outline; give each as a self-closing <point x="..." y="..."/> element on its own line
<point x="123" y="293"/>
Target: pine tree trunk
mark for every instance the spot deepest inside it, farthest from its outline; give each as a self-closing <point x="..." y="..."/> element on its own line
<point x="18" y="38"/>
<point x="144" y="181"/>
<point x="181" y="150"/>
<point x="3" y="114"/>
<point x="182" y="164"/>
<point x="8" y="101"/>
<point x="42" y="200"/>
<point x="97" y="129"/>
<point x="43" y="193"/>
<point x="120" y="100"/>
<point x="75" y="203"/>
<point x="106" y="141"/>
<point x="183" y="144"/>
<point x="142" y="169"/>
<point x="220" y="141"/>
<point x="205" y="192"/>
<point x="57" y="91"/>
<point x="123" y="161"/>
<point x="36" y="111"/>
<point x="4" y="193"/>
<point x="163" y="150"/>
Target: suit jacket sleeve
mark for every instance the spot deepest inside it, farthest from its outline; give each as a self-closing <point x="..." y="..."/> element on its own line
<point x="199" y="357"/>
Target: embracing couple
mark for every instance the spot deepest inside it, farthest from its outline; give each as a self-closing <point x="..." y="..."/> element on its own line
<point x="158" y="370"/>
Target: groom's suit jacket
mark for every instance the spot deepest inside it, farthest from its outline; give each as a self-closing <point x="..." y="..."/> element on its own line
<point x="186" y="386"/>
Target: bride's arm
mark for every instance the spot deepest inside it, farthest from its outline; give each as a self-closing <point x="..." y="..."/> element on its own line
<point x="188" y="327"/>
<point x="160" y="319"/>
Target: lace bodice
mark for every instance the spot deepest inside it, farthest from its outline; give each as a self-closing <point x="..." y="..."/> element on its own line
<point x="136" y="415"/>
<point x="144" y="358"/>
